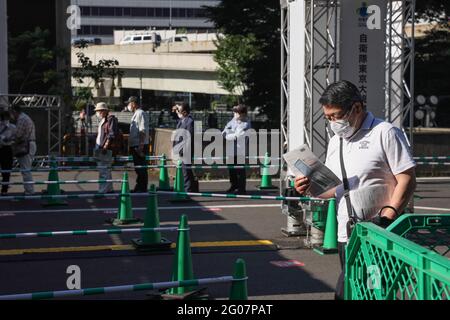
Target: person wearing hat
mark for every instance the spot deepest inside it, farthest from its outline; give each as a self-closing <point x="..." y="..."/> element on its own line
<point x="108" y="128"/>
<point x="235" y="131"/>
<point x="138" y="142"/>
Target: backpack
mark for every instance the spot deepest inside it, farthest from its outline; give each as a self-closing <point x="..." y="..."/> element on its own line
<point x="117" y="144"/>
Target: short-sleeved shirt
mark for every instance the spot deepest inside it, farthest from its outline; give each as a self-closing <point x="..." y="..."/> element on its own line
<point x="139" y="123"/>
<point x="372" y="158"/>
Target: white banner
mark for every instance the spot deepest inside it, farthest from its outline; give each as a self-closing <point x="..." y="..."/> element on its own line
<point x="363" y="50"/>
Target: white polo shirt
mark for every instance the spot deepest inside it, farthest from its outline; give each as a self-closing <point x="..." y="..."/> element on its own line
<point x="372" y="158"/>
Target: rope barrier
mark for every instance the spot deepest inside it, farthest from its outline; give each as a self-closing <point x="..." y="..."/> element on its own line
<point x="61" y="182"/>
<point x="90" y="168"/>
<point x="122" y="288"/>
<point x="432" y="158"/>
<point x="145" y="194"/>
<point x="92" y="159"/>
<point x="434" y="163"/>
<point x="82" y="232"/>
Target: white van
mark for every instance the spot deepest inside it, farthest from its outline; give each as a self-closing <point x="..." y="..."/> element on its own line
<point x="141" y="38"/>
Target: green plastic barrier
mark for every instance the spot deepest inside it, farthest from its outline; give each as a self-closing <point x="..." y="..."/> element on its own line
<point x="407" y="261"/>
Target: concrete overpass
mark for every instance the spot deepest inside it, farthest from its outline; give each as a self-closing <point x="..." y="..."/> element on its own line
<point x="178" y="67"/>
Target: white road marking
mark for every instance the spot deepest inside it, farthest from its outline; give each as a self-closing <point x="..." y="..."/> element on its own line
<point x="432" y="208"/>
<point x="114" y="210"/>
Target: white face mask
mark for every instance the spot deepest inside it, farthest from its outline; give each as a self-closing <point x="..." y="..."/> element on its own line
<point x="343" y="128"/>
<point x="98" y="115"/>
<point x="129" y="108"/>
<point x="236" y="115"/>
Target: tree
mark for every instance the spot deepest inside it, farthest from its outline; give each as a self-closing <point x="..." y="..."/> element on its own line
<point x="234" y="52"/>
<point x="259" y="19"/>
<point x="32" y="63"/>
<point x="95" y="73"/>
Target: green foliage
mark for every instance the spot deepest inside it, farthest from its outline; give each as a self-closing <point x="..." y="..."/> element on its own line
<point x="32" y="63"/>
<point x="95" y="72"/>
<point x="234" y="52"/>
<point x="259" y="20"/>
<point x="432" y="62"/>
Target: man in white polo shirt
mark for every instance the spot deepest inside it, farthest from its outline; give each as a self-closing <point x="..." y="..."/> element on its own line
<point x="138" y="142"/>
<point x="376" y="165"/>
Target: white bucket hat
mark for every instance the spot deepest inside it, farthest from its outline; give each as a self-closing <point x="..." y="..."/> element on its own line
<point x="101" y="106"/>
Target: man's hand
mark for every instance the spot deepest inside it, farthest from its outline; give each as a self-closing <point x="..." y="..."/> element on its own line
<point x="388" y="213"/>
<point x="301" y="184"/>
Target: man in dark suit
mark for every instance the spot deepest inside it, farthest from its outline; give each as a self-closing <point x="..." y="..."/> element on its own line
<point x="183" y="145"/>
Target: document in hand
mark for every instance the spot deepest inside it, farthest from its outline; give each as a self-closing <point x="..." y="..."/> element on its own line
<point x="99" y="156"/>
<point x="303" y="161"/>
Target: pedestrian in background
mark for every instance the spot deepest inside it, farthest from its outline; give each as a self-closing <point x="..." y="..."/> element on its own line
<point x="24" y="147"/>
<point x="138" y="142"/>
<point x="107" y="133"/>
<point x="235" y="131"/>
<point x="7" y="134"/>
<point x="183" y="146"/>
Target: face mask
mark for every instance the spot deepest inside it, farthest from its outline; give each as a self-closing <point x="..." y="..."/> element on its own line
<point x="129" y="108"/>
<point x="236" y="115"/>
<point x="342" y="128"/>
<point x="98" y="115"/>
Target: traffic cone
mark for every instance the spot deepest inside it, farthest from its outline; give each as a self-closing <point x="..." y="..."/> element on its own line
<point x="164" y="182"/>
<point x="266" y="178"/>
<point x="125" y="214"/>
<point x="179" y="185"/>
<point x="54" y="188"/>
<point x="239" y="285"/>
<point x="330" y="238"/>
<point x="152" y="240"/>
<point x="182" y="266"/>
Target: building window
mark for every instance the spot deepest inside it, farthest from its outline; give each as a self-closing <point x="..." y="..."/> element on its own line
<point x="138" y="12"/>
<point x="106" y="11"/>
<point x="150" y="12"/>
<point x="85" y="11"/>
<point x="166" y="12"/>
<point x="127" y="12"/>
<point x="158" y="12"/>
<point x="118" y="12"/>
<point x="94" y="11"/>
<point x="94" y="29"/>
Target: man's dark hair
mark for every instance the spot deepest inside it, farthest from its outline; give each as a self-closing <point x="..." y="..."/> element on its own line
<point x="240" y="108"/>
<point x="343" y="94"/>
<point x="4" y="115"/>
<point x="16" y="108"/>
<point x="184" y="106"/>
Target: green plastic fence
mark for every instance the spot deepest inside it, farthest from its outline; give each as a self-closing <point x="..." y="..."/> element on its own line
<point x="407" y="261"/>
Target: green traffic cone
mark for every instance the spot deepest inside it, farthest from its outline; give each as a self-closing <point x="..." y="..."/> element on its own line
<point x="182" y="266"/>
<point x="239" y="285"/>
<point x="152" y="240"/>
<point x="330" y="237"/>
<point x="125" y="214"/>
<point x="164" y="182"/>
<point x="53" y="189"/>
<point x="266" y="178"/>
<point x="179" y="185"/>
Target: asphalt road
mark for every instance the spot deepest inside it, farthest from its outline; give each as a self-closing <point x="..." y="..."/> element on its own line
<point x="39" y="264"/>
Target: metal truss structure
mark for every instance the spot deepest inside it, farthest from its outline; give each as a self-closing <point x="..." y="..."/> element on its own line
<point x="314" y="26"/>
<point x="51" y="104"/>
